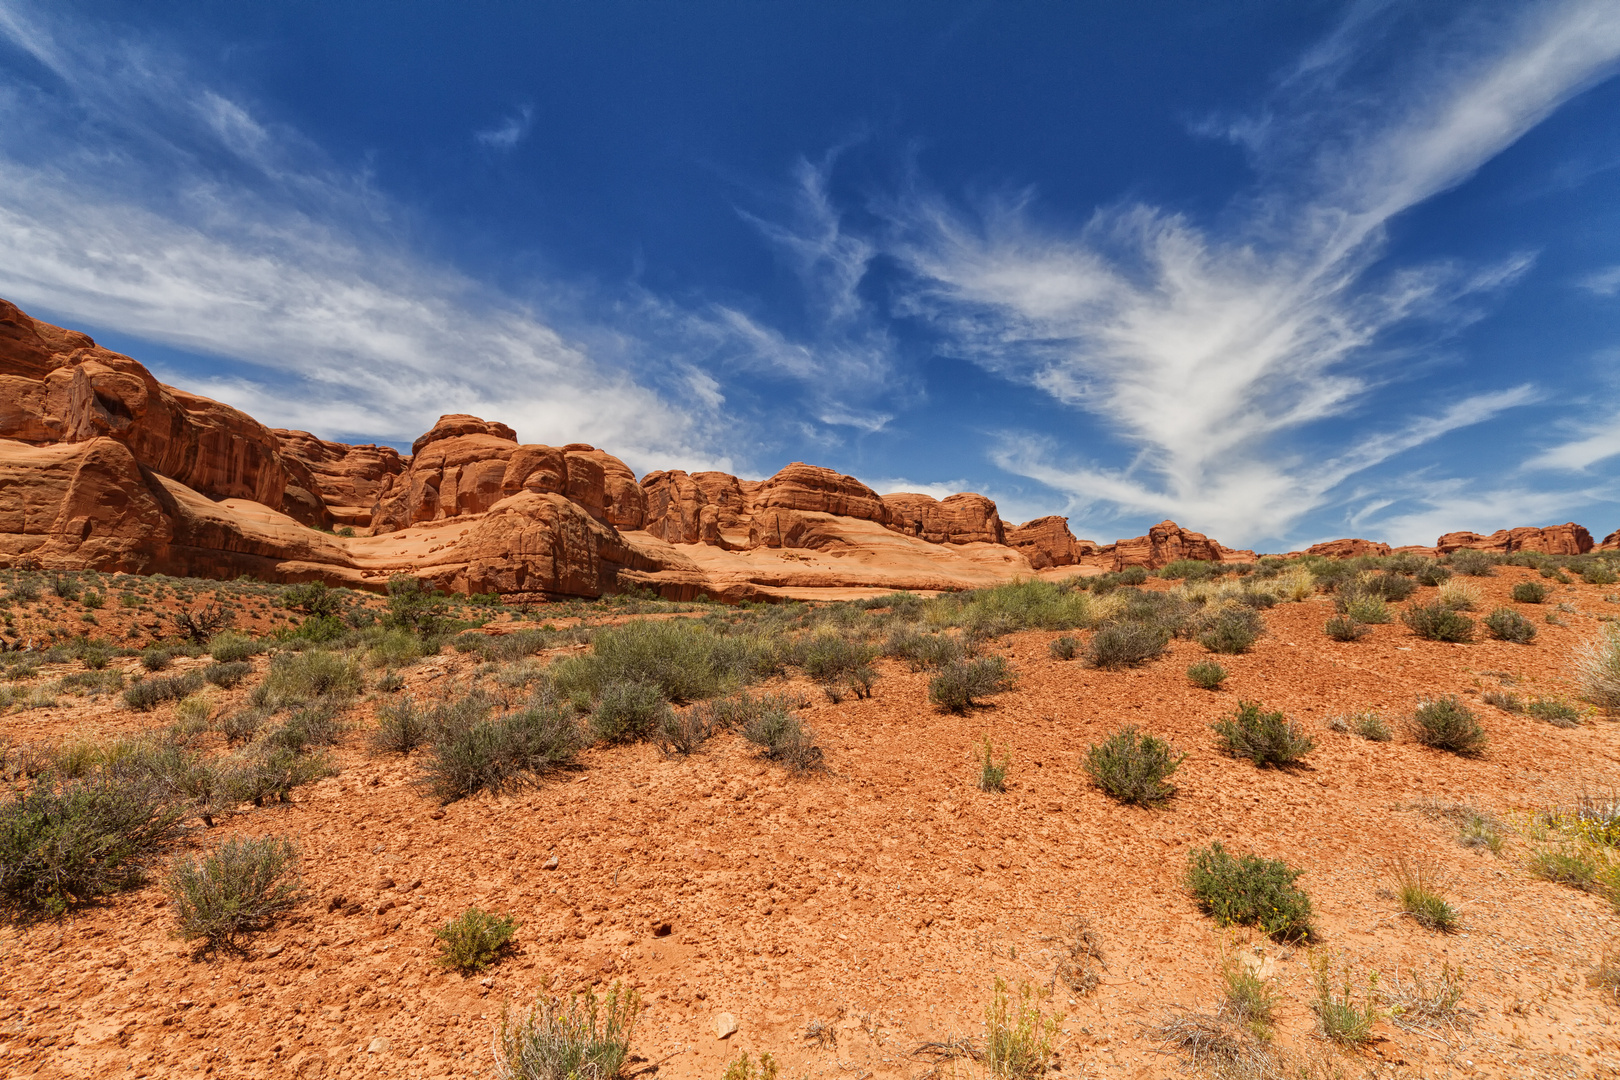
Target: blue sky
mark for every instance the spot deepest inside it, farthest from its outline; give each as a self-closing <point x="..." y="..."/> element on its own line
<point x="1282" y="271"/>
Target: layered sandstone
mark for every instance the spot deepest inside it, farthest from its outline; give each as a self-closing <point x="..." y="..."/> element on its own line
<point x="964" y="518"/>
<point x="1164" y="544"/>
<point x="1567" y="539"/>
<point x="1348" y="549"/>
<point x="1047" y="542"/>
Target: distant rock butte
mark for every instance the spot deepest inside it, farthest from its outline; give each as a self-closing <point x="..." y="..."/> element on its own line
<point x="104" y="467"/>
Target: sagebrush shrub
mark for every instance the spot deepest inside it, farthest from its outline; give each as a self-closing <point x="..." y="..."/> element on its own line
<point x="303" y="677"/>
<point x="1597" y="669"/>
<point x="64" y="844"/>
<point x="1447" y="724"/>
<point x="1064" y="648"/>
<point x="1133" y="766"/>
<point x="1265" y="738"/>
<point x="1432" y="574"/>
<point x="1530" y="592"/>
<point x="229" y="674"/>
<point x="628" y="712"/>
<point x="149" y="693"/>
<point x="782" y="738"/>
<point x="312" y="726"/>
<point x="401" y="727"/>
<point x="1596" y="573"/>
<point x="1249" y="890"/>
<point x="580" y="1036"/>
<point x="1473" y="562"/>
<point x="231" y="646"/>
<point x="1344" y="628"/>
<point x="1207" y="674"/>
<point x="1505" y="624"/>
<point x="156" y="658"/>
<point x="475" y="939"/>
<point x="959" y="685"/>
<point x="685" y="659"/>
<point x="1363" y="607"/>
<point x="1126" y="643"/>
<point x="1437" y="622"/>
<point x="496" y="754"/>
<point x="923" y="651"/>
<point x="1229" y="628"/>
<point x="1558" y="713"/>
<point x="239" y="888"/>
<point x="269" y="774"/>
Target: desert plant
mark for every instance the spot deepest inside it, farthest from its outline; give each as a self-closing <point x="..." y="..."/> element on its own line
<point x="396" y="649"/>
<point x="1018" y="1034"/>
<point x="1229" y="628"/>
<point x="1337" y="1013"/>
<point x="148" y="694"/>
<point x="1460" y="595"/>
<point x="628" y="711"/>
<point x="960" y="684"/>
<point x="1432" y="573"/>
<point x="475" y="939"/>
<point x="1064" y="648"/>
<point x="1364" y="607"/>
<point x="496" y="754"/>
<point x="302" y="677"/>
<point x="685" y="659"/>
<point x="742" y="1068"/>
<point x="414" y="606"/>
<point x="1554" y="711"/>
<point x="229" y="674"/>
<point x="1249" y="890"/>
<point x="782" y="738"/>
<point x="201" y="624"/>
<point x="1596" y="573"/>
<point x="240" y="887"/>
<point x="1344" y="628"/>
<point x="1505" y="700"/>
<point x="924" y="651"/>
<point x="241" y="726"/>
<point x="684" y="731"/>
<point x="1505" y="624"/>
<point x="1126" y="643"/>
<point x="1473" y="562"/>
<point x="1420" y="897"/>
<point x="230" y="647"/>
<point x="268" y="774"/>
<point x="63" y="844"/>
<point x="1530" y="592"/>
<point x="1438" y="622"/>
<point x="1250" y="998"/>
<point x="1606" y="975"/>
<point x="1265" y="738"/>
<point x="1367" y="723"/>
<point x="156" y="658"/>
<point x="401" y="727"/>
<point x="1565" y="865"/>
<point x="1133" y="766"/>
<point x="1477" y="830"/>
<point x="1447" y="724"/>
<point x="1597" y="669"/>
<point x="992" y="774"/>
<point x="1206" y="674"/>
<point x="580" y="1037"/>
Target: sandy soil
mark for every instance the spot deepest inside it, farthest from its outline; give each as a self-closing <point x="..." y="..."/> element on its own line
<point x="883" y="897"/>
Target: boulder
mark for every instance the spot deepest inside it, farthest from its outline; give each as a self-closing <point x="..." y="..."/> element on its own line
<point x="964" y="518"/>
<point x="1348" y="549"/>
<point x="68" y="506"/>
<point x="1047" y="542"/>
<point x="1567" y="539"/>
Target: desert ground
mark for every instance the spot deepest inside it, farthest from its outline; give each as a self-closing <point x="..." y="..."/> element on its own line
<point x="851" y="919"/>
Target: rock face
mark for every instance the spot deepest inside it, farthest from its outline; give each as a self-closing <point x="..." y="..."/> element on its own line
<point x="1165" y="543"/>
<point x="1348" y="549"/>
<point x="1611" y="542"/>
<point x="103" y="466"/>
<point x="1568" y="539"/>
<point x="1047" y="542"/>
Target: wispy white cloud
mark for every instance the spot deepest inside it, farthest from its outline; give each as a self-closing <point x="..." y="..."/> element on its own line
<point x="512" y="130"/>
<point x="1605" y="282"/>
<point x="1213" y="353"/>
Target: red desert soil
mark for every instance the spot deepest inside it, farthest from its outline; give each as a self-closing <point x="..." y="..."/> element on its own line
<point x="883" y="897"/>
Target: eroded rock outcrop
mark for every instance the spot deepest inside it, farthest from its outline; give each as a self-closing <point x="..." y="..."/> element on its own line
<point x="346" y="480"/>
<point x="1348" y="549"/>
<point x="1165" y="543"/>
<point x="1047" y="542"/>
<point x="1611" y="542"/>
<point x="1567" y="539"/>
<point x="964" y="518"/>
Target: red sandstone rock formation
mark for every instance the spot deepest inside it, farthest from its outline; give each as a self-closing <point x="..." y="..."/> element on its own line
<point x="1611" y="542"/>
<point x="1164" y="544"/>
<point x="1348" y="549"/>
<point x="1047" y="542"/>
<point x="347" y="480"/>
<point x="1569" y="539"/>
<point x="964" y="518"/>
<point x="679" y="510"/>
<point x="821" y="491"/>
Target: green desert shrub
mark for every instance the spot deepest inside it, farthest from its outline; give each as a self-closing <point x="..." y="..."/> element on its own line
<point x="497" y="754"/>
<point x="1126" y="643"/>
<point x="414" y="606"/>
<point x="628" y="712"/>
<point x="1555" y="711"/>
<point x="580" y="1036"/>
<point x="1250" y="891"/>
<point x="686" y="660"/>
<point x="241" y="726"/>
<point x="992" y="773"/>
<point x="1447" y="724"/>
<point x="156" y="657"/>
<point x="239" y="888"/>
<point x="1265" y="738"/>
<point x="148" y="694"/>
<point x="475" y="939"/>
<point x="924" y="651"/>
<point x="959" y="685"/>
<point x="1229" y="628"/>
<point x="1206" y="674"/>
<point x="266" y="774"/>
<point x="313" y="598"/>
<point x="1597" y="573"/>
<point x="396" y="649"/>
<point x="68" y="843"/>
<point x="1031" y="604"/>
<point x="1063" y="648"/>
<point x="1432" y="574"/>
<point x="303" y="677"/>
<point x="401" y="727"/>
<point x="783" y="738"/>
<point x="313" y="726"/>
<point x="1597" y="669"/>
<point x="1338" y="1015"/>
<point x="1505" y="624"/>
<point x="1437" y="622"/>
<point x="1344" y="628"/>
<point x="1421" y="899"/>
<point x="230" y="647"/>
<point x="1363" y="607"/>
<point x="228" y="674"/>
<point x="1530" y="592"/>
<point x="1133" y="766"/>
<point x="1473" y="563"/>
